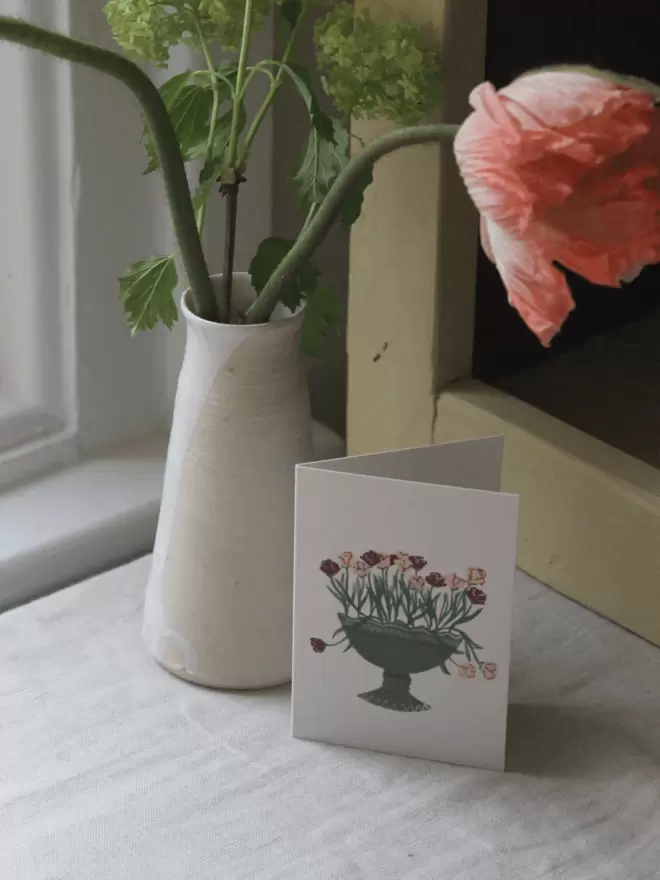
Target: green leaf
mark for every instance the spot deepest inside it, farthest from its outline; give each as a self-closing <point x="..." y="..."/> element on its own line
<point x="270" y="254"/>
<point x="352" y="206"/>
<point x="146" y="292"/>
<point x="291" y="11"/>
<point x="323" y="161"/>
<point x="302" y="79"/>
<point x="189" y="103"/>
<point x="323" y="314"/>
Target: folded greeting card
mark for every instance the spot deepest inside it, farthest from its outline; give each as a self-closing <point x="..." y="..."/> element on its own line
<point x="404" y="567"/>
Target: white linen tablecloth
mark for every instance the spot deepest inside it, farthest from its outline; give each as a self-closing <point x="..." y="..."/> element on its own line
<point x="110" y="768"/>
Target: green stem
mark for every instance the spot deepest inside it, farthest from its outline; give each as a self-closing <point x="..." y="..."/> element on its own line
<point x="215" y="88"/>
<point x="232" y="151"/>
<point x="274" y="87"/>
<point x="231" y="192"/>
<point x="313" y="211"/>
<point x="15" y="30"/>
<point x="311" y="237"/>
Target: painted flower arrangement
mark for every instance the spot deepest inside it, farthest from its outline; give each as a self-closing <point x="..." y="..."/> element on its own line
<point x="404" y="621"/>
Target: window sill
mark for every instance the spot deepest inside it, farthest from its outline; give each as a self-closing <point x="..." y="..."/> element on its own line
<point x="79" y="521"/>
<point x="92" y="516"/>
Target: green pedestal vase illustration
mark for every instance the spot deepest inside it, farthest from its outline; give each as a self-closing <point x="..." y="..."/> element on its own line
<point x="405" y="623"/>
<point x="400" y="651"/>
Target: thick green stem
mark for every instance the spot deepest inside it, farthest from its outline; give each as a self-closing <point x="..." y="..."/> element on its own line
<point x="176" y="183"/>
<point x="313" y="234"/>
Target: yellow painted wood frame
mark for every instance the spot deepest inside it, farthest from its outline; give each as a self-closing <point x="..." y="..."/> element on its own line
<point x="590" y="516"/>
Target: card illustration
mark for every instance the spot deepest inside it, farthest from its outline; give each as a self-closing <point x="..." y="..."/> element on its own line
<point x="404" y="566"/>
<point x="405" y="622"/>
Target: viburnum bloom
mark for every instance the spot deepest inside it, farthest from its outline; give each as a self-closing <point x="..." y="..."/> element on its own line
<point x="564" y="167"/>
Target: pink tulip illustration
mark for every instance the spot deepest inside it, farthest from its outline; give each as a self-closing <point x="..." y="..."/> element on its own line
<point x="403" y="622"/>
<point x="489" y="671"/>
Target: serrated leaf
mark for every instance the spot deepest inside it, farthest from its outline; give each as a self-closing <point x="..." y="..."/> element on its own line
<point x="291" y="10"/>
<point x="270" y="254"/>
<point x="354" y="199"/>
<point x="322" y="163"/>
<point x="302" y="79"/>
<point x="189" y="103"/>
<point x="146" y="291"/>
<point x="323" y="315"/>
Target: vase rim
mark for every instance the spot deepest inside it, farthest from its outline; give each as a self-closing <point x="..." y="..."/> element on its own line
<point x="282" y="315"/>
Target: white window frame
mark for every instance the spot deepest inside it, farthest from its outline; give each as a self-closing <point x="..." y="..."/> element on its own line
<point x="82" y="444"/>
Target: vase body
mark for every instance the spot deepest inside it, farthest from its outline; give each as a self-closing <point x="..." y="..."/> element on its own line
<point x="218" y="610"/>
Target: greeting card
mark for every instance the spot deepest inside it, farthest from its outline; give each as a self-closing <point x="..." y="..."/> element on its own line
<point x="404" y="568"/>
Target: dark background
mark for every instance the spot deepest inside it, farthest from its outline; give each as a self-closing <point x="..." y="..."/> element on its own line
<point x="619" y="35"/>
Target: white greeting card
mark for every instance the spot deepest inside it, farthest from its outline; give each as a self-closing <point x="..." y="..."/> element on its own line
<point x="404" y="568"/>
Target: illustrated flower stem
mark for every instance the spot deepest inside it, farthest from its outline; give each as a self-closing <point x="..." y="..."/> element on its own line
<point x="162" y="131"/>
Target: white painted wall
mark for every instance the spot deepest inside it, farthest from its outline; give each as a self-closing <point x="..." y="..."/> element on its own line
<point x="76" y="212"/>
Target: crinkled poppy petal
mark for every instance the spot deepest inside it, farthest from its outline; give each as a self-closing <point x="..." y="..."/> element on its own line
<point x="538" y="290"/>
<point x="582" y="115"/>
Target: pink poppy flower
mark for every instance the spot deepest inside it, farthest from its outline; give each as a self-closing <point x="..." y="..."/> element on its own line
<point x="454" y="582"/>
<point x="416" y="582"/>
<point x="476" y="576"/>
<point x="346" y="558"/>
<point x="563" y="166"/>
<point x="467" y="670"/>
<point x="489" y="671"/>
<point x="361" y="567"/>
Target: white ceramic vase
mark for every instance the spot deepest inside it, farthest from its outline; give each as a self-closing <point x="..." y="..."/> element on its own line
<point x="219" y="599"/>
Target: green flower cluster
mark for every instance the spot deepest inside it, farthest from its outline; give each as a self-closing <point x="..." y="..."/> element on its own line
<point x="376" y="70"/>
<point x="148" y="29"/>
